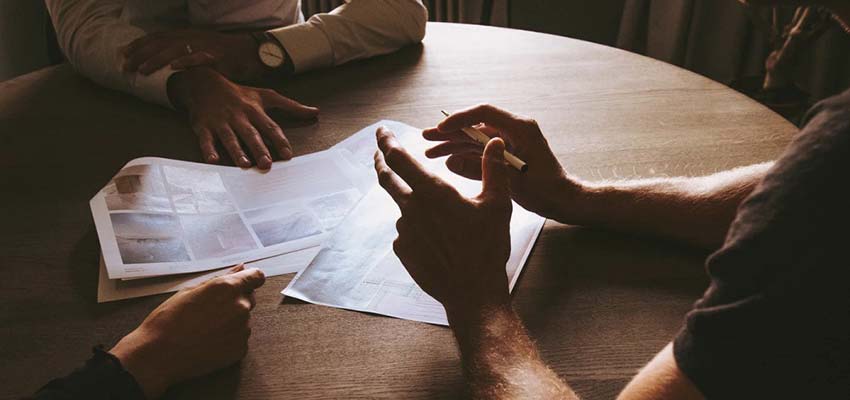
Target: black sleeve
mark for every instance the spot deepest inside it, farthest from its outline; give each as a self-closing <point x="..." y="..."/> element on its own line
<point x="101" y="378"/>
<point x="774" y="323"/>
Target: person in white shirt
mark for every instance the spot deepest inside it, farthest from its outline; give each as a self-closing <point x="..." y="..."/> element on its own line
<point x="190" y="54"/>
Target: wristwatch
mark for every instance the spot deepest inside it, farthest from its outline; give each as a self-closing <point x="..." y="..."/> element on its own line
<point x="271" y="52"/>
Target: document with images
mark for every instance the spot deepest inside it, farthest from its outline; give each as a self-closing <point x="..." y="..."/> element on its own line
<point x="120" y="289"/>
<point x="357" y="269"/>
<point x="163" y="217"/>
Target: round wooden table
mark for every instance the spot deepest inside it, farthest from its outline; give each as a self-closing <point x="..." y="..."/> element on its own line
<point x="599" y="304"/>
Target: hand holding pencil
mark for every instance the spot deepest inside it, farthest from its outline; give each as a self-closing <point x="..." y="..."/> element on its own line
<point x="541" y="187"/>
<point x="482" y="139"/>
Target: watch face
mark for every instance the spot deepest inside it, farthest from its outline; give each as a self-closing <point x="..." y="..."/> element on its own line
<point x="271" y="54"/>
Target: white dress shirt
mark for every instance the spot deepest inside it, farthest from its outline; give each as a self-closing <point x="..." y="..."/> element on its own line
<point x="92" y="33"/>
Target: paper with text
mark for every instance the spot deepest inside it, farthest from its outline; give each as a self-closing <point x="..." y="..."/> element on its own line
<point x="162" y="217"/>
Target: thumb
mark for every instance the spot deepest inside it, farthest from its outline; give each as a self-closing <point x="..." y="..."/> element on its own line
<point x="250" y="279"/>
<point x="236" y="269"/>
<point x="272" y="99"/>
<point x="494" y="172"/>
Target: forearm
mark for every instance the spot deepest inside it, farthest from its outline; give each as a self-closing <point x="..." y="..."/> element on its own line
<point x="696" y="211"/>
<point x="499" y="359"/>
<point x="92" y="35"/>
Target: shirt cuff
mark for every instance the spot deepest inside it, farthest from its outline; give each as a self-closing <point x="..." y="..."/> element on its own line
<point x="153" y="87"/>
<point x="307" y="45"/>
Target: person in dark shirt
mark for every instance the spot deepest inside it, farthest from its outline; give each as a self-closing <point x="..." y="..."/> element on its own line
<point x="196" y="331"/>
<point x="774" y="321"/>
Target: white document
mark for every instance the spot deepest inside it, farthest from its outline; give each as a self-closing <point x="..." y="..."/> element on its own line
<point x="118" y="289"/>
<point x="358" y="148"/>
<point x="163" y="217"/>
<point x="357" y="269"/>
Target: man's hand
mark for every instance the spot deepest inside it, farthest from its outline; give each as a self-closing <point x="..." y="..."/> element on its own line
<point x="544" y="188"/>
<point x="454" y="247"/>
<point x="220" y="109"/>
<point x="195" y="332"/>
<point x="234" y="55"/>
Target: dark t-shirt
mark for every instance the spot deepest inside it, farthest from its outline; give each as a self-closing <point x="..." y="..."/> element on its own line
<point x="775" y="322"/>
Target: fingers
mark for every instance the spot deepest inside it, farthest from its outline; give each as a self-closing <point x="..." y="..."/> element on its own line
<point x="207" y="144"/>
<point x="252" y="139"/>
<point x="154" y="56"/>
<point x="487" y="114"/>
<point x="391" y="182"/>
<point x="143" y="41"/>
<point x="228" y="139"/>
<point x="435" y="134"/>
<point x="271" y="130"/>
<point x="449" y="148"/>
<point x="249" y="279"/>
<point x="162" y="58"/>
<point x="193" y="60"/>
<point x="465" y="165"/>
<point x="133" y="56"/>
<point x="495" y="182"/>
<point x="272" y="99"/>
<point x="401" y="162"/>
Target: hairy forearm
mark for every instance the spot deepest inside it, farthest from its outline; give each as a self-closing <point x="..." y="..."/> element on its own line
<point x="499" y="359"/>
<point x="697" y="211"/>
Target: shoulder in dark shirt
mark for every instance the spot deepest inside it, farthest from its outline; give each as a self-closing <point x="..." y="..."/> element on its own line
<point x="775" y="321"/>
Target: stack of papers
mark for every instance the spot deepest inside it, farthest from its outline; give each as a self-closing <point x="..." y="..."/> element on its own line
<point x="360" y="271"/>
<point x="164" y="225"/>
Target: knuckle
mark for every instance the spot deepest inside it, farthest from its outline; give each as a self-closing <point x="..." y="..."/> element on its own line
<point x="247" y="105"/>
<point x="271" y="126"/>
<point x="232" y="113"/>
<point x="220" y="285"/>
<point x="256" y="108"/>
<point x="231" y="142"/>
<point x="437" y="189"/>
<point x="486" y="108"/>
<point x="394" y="155"/>
<point x="384" y="176"/>
<point x="250" y="132"/>
<point x="530" y="122"/>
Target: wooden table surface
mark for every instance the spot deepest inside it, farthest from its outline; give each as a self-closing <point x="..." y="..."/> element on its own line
<point x="599" y="304"/>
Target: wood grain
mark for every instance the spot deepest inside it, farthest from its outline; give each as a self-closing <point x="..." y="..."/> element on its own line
<point x="599" y="304"/>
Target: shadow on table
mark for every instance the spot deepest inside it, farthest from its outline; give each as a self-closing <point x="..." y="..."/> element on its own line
<point x="221" y="384"/>
<point x="601" y="304"/>
<point x="571" y="261"/>
<point x="346" y="96"/>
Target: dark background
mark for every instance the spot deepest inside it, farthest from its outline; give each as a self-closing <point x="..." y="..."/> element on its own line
<point x="715" y="38"/>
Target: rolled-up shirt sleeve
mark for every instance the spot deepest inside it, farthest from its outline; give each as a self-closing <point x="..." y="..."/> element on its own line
<point x="355" y="30"/>
<point x="92" y="34"/>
